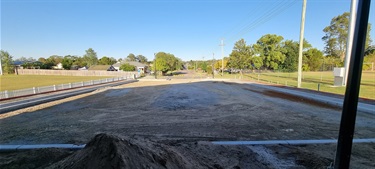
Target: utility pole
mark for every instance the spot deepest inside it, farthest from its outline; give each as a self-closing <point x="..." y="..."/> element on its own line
<point x="222" y="57"/>
<point x="301" y="44"/>
<point x="349" y="42"/>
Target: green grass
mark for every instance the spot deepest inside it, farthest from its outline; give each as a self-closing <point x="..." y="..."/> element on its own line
<point x="15" y="82"/>
<point x="310" y="80"/>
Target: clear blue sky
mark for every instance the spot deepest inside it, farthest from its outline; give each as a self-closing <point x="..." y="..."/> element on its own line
<point x="189" y="29"/>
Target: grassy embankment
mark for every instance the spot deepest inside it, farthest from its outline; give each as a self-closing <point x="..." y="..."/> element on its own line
<point x="15" y="82"/>
<point x="310" y="80"/>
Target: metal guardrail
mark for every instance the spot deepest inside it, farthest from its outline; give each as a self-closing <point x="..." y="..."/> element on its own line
<point x="36" y="90"/>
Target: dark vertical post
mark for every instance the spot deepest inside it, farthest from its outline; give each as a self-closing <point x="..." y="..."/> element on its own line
<point x="347" y="125"/>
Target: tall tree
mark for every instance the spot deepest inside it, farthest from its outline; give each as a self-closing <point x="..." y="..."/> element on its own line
<point x="240" y="58"/>
<point x="90" y="57"/>
<point x="68" y="61"/>
<point x="131" y="57"/>
<point x="55" y="59"/>
<point x="313" y="58"/>
<point x="141" y="58"/>
<point x="336" y="35"/>
<point x="106" y="61"/>
<point x="165" y="62"/>
<point x="270" y="49"/>
<point x="291" y="56"/>
<point x="6" y="62"/>
<point x="291" y="49"/>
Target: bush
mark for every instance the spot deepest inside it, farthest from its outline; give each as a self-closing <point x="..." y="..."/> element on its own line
<point x="127" y="67"/>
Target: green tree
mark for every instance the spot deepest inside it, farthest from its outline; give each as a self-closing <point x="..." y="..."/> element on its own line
<point x="6" y="62"/>
<point x="90" y="57"/>
<point x="127" y="67"/>
<point x="55" y="59"/>
<point x="291" y="51"/>
<point x="141" y="58"/>
<point x="68" y="61"/>
<point x="131" y="57"/>
<point x="313" y="58"/>
<point x="336" y="35"/>
<point x="270" y="49"/>
<point x="167" y="62"/>
<point x="24" y="59"/>
<point x="79" y="62"/>
<point x="219" y="62"/>
<point x="106" y="61"/>
<point x="257" y="62"/>
<point x="369" y="58"/>
<point x="240" y="58"/>
<point x="291" y="56"/>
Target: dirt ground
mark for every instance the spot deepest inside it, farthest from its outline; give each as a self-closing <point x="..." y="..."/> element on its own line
<point x="173" y="122"/>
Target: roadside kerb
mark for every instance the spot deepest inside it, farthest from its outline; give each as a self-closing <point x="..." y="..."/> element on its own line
<point x="289" y="142"/>
<point x="363" y="107"/>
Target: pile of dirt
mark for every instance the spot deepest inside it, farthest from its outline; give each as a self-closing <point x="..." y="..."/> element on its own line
<point x="108" y="151"/>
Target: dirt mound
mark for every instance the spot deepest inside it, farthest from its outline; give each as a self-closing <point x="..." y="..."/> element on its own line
<point x="107" y="151"/>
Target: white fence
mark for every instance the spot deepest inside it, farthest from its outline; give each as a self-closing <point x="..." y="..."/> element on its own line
<point x="74" y="72"/>
<point x="44" y="89"/>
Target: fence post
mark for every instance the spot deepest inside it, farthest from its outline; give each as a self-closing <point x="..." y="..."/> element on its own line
<point x="82" y="84"/>
<point x="6" y="94"/>
<point x="34" y="91"/>
<point x="70" y="85"/>
<point x="318" y="86"/>
<point x="92" y="82"/>
<point x="54" y="87"/>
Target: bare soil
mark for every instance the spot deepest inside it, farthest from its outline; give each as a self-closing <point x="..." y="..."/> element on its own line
<point x="169" y="124"/>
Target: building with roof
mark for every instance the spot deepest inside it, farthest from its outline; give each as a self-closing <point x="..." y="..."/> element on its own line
<point x="102" y="67"/>
<point x="139" y="67"/>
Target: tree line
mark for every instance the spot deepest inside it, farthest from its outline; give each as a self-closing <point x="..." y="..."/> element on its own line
<point x="272" y="52"/>
<point x="68" y="62"/>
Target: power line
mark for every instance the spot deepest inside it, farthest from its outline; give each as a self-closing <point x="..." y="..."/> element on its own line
<point x="265" y="17"/>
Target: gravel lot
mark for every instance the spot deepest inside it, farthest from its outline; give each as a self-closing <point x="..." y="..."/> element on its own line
<point x="185" y="115"/>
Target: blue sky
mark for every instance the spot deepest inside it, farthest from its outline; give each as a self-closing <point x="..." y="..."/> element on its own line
<point x="189" y="29"/>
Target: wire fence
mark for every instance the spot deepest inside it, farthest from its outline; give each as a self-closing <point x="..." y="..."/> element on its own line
<point x="45" y="89"/>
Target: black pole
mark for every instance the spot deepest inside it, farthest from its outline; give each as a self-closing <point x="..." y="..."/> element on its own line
<point x="349" y="112"/>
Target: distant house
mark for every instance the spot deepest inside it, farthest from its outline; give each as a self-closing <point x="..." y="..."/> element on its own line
<point x="58" y="66"/>
<point x="140" y="67"/>
<point x="102" y="67"/>
<point x="83" y="68"/>
<point x="18" y="64"/>
<point x="27" y="64"/>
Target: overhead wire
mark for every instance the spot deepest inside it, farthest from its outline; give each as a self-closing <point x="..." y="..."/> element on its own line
<point x="267" y="16"/>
